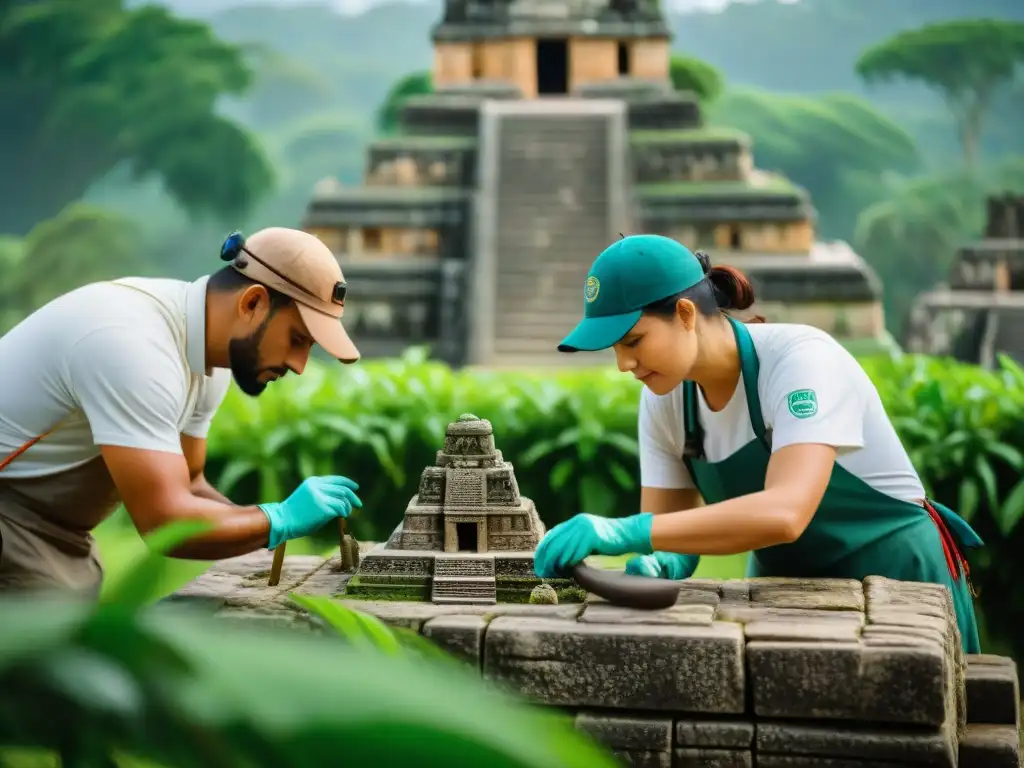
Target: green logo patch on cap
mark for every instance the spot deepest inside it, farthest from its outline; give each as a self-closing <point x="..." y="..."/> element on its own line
<point x="592" y="288"/>
<point x="802" y="403"/>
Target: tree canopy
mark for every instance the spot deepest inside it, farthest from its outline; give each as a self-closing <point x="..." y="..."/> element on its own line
<point x="966" y="61"/>
<point x="696" y="76"/>
<point x="411" y="85"/>
<point x="911" y="237"/>
<point x="836" y="146"/>
<point x="87" y="87"/>
<point x="82" y="244"/>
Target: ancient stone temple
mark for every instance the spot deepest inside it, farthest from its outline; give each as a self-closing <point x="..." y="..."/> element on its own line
<point x="980" y="314"/>
<point x="554" y="127"/>
<point x="468" y="535"/>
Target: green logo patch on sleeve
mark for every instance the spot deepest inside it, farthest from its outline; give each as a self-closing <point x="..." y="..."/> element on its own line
<point x="802" y="403"/>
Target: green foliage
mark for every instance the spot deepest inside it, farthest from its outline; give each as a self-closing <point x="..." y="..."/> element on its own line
<point x="97" y="87"/>
<point x="964" y="430"/>
<point x="966" y="61"/>
<point x="114" y="684"/>
<point x="572" y="438"/>
<point x="696" y="76"/>
<point x="572" y="435"/>
<point x="412" y="84"/>
<point x="911" y="237"/>
<point x="81" y="244"/>
<point x="837" y="146"/>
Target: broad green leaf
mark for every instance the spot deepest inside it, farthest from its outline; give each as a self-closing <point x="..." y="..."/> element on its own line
<point x="988" y="481"/>
<point x="1012" y="509"/>
<point x="969" y="498"/>
<point x="136" y="586"/>
<point x="357" y="628"/>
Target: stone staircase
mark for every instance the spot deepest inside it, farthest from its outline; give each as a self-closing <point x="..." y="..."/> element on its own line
<point x="462" y="579"/>
<point x="1005" y="335"/>
<point x="553" y="193"/>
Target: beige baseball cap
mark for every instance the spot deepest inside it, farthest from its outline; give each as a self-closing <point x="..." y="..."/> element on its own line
<point x="298" y="265"/>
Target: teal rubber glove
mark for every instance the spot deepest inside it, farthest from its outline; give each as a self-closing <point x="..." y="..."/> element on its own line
<point x="312" y="505"/>
<point x="571" y="542"/>
<point x="663" y="565"/>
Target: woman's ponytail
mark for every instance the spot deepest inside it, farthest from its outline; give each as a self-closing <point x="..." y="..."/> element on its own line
<point x="731" y="287"/>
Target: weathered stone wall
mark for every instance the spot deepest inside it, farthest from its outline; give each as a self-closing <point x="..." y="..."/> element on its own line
<point x="663" y="161"/>
<point x="438" y="166"/>
<point x="773" y="673"/>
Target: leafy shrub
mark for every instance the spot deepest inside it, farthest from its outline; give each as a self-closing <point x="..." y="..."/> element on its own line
<point x="571" y="435"/>
<point x="116" y="684"/>
<point x="964" y="429"/>
<point x="572" y="438"/>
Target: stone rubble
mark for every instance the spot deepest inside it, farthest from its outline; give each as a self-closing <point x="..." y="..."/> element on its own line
<point x="773" y="673"/>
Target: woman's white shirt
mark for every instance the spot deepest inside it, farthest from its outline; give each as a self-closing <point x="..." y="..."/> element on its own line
<point x="812" y="390"/>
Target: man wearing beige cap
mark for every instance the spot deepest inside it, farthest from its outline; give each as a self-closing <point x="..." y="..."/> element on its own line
<point x="107" y="394"/>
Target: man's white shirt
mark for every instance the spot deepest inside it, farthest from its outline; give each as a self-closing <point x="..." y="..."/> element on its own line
<point x="126" y="362"/>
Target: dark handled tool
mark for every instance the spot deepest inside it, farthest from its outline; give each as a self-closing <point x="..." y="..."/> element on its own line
<point x="626" y="590"/>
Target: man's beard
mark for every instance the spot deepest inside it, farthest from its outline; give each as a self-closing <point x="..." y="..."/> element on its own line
<point x="244" y="358"/>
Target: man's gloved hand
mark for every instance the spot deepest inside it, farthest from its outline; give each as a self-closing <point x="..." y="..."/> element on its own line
<point x="573" y="541"/>
<point x="312" y="505"/>
<point x="663" y="565"/>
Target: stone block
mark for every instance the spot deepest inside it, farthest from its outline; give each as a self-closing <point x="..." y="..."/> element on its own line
<point x="693" y="594"/>
<point x="990" y="746"/>
<point x="911" y="746"/>
<point x="325" y="582"/>
<point x="724" y="734"/>
<point x="712" y="758"/>
<point x="745" y="614"/>
<point x="820" y="594"/>
<point x="827" y="631"/>
<point x="844" y="681"/>
<point x="880" y="634"/>
<point x="627" y="731"/>
<point x="993" y="690"/>
<point x="786" y="761"/>
<point x="635" y="740"/>
<point x="460" y="635"/>
<point x="605" y="613"/>
<point x="415" y="615"/>
<point x="680" y="668"/>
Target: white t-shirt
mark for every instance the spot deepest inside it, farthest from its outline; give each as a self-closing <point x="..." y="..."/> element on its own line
<point x="127" y="363"/>
<point x="811" y="390"/>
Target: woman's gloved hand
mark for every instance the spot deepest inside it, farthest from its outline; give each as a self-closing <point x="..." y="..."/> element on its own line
<point x="571" y="542"/>
<point x="312" y="505"/>
<point x="663" y="565"/>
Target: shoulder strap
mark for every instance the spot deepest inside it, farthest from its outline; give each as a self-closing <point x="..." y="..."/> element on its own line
<point x="6" y="461"/>
<point x="751" y="369"/>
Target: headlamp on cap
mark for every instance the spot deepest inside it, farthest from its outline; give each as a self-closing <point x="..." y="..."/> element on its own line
<point x="234" y="246"/>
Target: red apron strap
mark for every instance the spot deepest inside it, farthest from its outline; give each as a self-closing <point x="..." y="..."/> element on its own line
<point x="955" y="559"/>
<point x="5" y="462"/>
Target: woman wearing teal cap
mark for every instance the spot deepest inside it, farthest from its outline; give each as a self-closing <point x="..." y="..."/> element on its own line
<point x="775" y="427"/>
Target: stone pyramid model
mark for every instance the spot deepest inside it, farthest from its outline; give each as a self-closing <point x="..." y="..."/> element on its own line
<point x="468" y="534"/>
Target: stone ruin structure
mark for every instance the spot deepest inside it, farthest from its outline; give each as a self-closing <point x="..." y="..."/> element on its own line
<point x="980" y="314"/>
<point x="739" y="673"/>
<point x="468" y="535"/>
<point x="554" y="127"/>
<point x="772" y="673"/>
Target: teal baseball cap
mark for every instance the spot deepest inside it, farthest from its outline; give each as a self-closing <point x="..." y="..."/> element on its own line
<point x="629" y="275"/>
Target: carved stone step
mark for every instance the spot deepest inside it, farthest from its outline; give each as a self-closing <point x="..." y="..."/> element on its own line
<point x="474" y="567"/>
<point x="449" y="590"/>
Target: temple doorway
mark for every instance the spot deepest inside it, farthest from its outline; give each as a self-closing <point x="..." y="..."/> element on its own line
<point x="466" y="537"/>
<point x="552" y="67"/>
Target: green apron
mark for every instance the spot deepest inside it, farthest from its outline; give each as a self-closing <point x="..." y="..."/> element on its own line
<point x="856" y="532"/>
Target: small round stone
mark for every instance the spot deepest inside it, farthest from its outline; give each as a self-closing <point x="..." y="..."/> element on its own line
<point x="468" y="417"/>
<point x="543" y="594"/>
